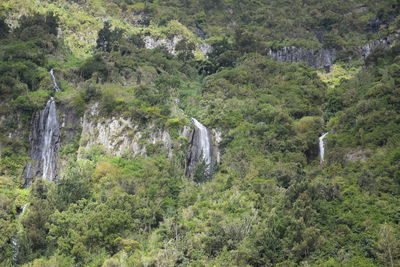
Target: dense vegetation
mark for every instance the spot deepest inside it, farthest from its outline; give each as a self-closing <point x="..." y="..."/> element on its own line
<point x="270" y="202"/>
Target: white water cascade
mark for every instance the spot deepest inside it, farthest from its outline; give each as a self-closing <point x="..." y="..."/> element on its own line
<point x="55" y="85"/>
<point x="51" y="136"/>
<point x="45" y="139"/>
<point x="201" y="149"/>
<point x="322" y="147"/>
<point x="204" y="142"/>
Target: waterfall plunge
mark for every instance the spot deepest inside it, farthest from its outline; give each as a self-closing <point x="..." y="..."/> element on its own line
<point x="55" y="85"/>
<point x="45" y="139"/>
<point x="205" y="144"/>
<point x="201" y="149"/>
<point x="51" y="133"/>
<point x="322" y="147"/>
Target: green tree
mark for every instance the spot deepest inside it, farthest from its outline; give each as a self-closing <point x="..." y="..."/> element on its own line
<point x="388" y="245"/>
<point x="108" y="39"/>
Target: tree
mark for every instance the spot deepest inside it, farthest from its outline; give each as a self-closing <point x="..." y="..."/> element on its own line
<point x="4" y="29"/>
<point x="108" y="39"/>
<point x="388" y="245"/>
<point x="247" y="42"/>
<point x="185" y="50"/>
<point x="222" y="54"/>
<point x="73" y="186"/>
<point x="38" y="25"/>
<point x="33" y="239"/>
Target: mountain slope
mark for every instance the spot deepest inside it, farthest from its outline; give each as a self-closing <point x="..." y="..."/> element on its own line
<point x="124" y="194"/>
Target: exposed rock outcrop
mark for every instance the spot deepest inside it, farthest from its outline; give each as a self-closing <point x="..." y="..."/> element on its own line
<point x="70" y="123"/>
<point x="204" y="48"/>
<point x="170" y="44"/>
<point x="368" y="48"/>
<point x="322" y="58"/>
<point x="118" y="135"/>
<point x="357" y="155"/>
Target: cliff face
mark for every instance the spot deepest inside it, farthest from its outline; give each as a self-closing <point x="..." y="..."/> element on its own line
<point x="170" y="43"/>
<point x="322" y="58"/>
<point x="118" y="135"/>
<point x="54" y="128"/>
<point x="368" y="48"/>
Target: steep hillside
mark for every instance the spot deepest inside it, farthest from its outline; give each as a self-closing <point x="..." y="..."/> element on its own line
<point x="199" y="133"/>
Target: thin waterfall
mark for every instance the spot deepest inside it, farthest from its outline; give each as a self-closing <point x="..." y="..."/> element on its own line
<point x="205" y="144"/>
<point x="50" y="140"/>
<point x="45" y="143"/>
<point x="322" y="147"/>
<point x="15" y="249"/>
<point x="14" y="239"/>
<point x="201" y="149"/>
<point x="55" y="85"/>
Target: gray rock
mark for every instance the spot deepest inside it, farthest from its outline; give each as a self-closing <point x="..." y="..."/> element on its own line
<point x="204" y="48"/>
<point x="118" y="135"/>
<point x="169" y="44"/>
<point x="357" y="155"/>
<point x="322" y="58"/>
<point x="368" y="48"/>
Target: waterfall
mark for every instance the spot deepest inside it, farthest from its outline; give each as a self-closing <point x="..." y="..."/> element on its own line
<point x="205" y="144"/>
<point x="322" y="147"/>
<point x="14" y="239"/>
<point x="23" y="209"/>
<point x="55" y="85"/>
<point x="51" y="133"/>
<point x="15" y="249"/>
<point x="201" y="149"/>
<point x="45" y="143"/>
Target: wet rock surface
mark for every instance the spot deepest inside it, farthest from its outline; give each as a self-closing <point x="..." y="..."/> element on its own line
<point x="45" y="145"/>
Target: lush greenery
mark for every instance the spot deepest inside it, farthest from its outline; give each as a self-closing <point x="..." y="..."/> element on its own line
<point x="270" y="202"/>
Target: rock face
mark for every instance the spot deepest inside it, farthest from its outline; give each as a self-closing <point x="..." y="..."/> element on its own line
<point x="120" y="135"/>
<point x="204" y="48"/>
<point x="322" y="58"/>
<point x="169" y="44"/>
<point x="45" y="144"/>
<point x="357" y="155"/>
<point x="368" y="48"/>
<point x="201" y="154"/>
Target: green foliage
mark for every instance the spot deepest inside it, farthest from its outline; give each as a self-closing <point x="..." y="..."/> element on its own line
<point x="269" y="202"/>
<point x="108" y="39"/>
<point x="37" y="25"/>
<point x="95" y="65"/>
<point x="185" y="50"/>
<point x="73" y="186"/>
<point x="32" y="240"/>
<point x="4" y="28"/>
